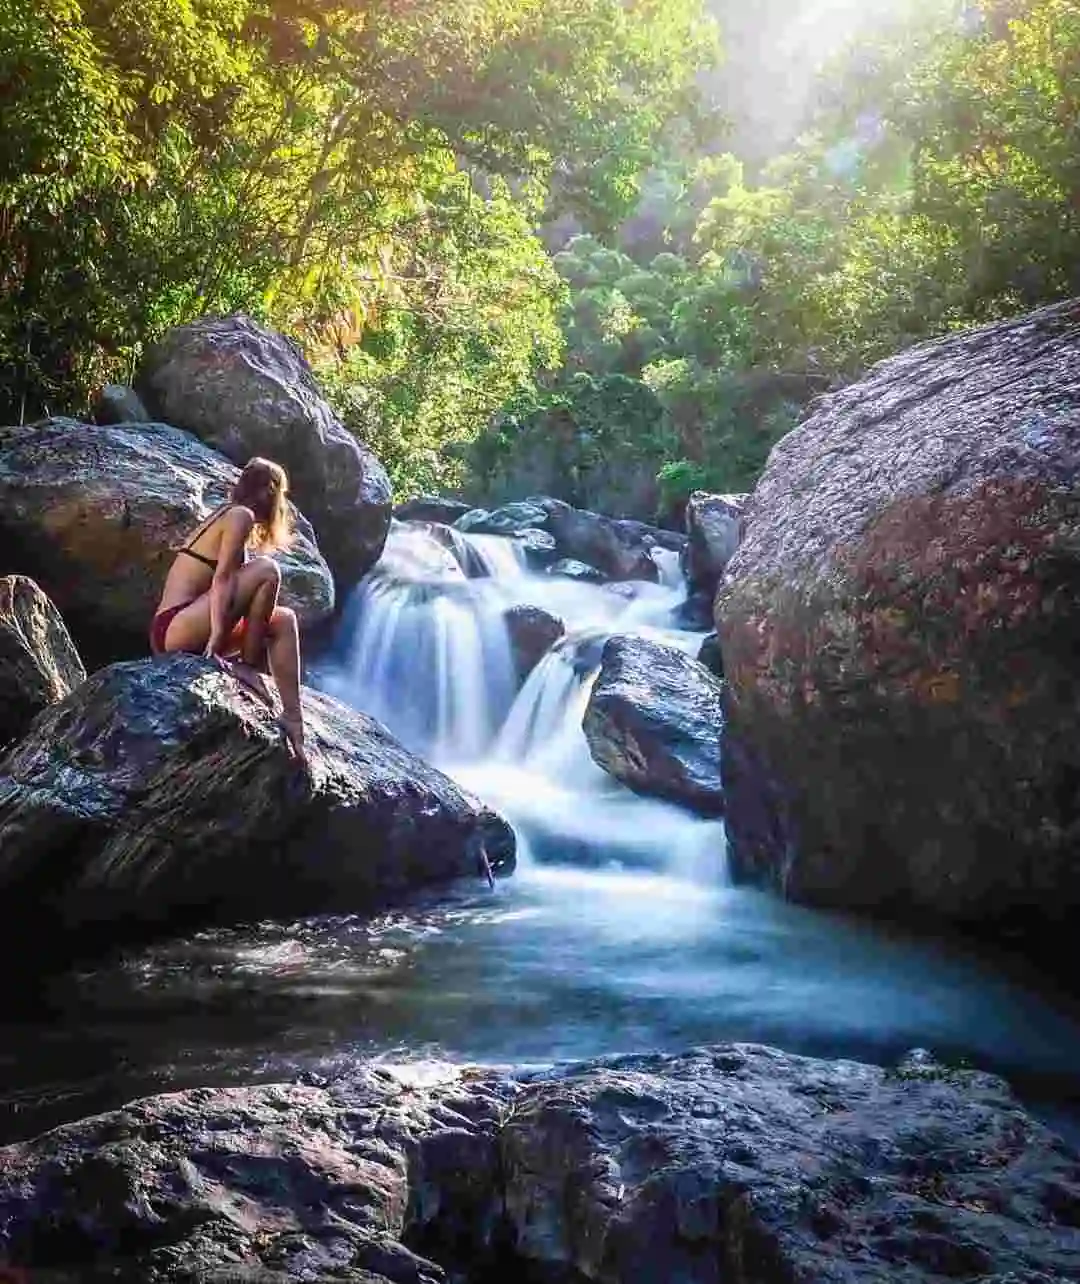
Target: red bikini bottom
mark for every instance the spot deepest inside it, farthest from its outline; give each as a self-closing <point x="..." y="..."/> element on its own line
<point x="159" y="626"/>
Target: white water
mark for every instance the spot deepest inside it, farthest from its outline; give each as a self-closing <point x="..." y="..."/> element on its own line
<point x="428" y="654"/>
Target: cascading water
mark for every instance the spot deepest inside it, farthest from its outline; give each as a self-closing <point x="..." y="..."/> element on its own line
<point x="619" y="932"/>
<point x="427" y="651"/>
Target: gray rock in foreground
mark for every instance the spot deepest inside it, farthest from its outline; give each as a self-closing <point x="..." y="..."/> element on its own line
<point x="736" y="1164"/>
<point x="39" y="664"/>
<point x="714" y="531"/>
<point x="249" y="391"/>
<point x="654" y="721"/>
<point x="160" y="789"/>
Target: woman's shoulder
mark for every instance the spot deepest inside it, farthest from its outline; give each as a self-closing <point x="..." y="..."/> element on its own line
<point x="239" y="515"/>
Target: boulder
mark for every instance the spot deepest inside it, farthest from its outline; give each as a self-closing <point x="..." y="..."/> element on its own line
<point x="540" y="548"/>
<point x="713" y="529"/>
<point x="899" y="632"/>
<point x="620" y="549"/>
<point x="746" y="1165"/>
<point x="431" y="508"/>
<point x="571" y="569"/>
<point x="94" y="514"/>
<point x="711" y="655"/>
<point x="653" y="721"/>
<point x="734" y="1163"/>
<point x="39" y="664"/>
<point x="510" y="519"/>
<point x="246" y="390"/>
<point x="533" y="632"/>
<point x="160" y="789"/>
<point x="116" y="404"/>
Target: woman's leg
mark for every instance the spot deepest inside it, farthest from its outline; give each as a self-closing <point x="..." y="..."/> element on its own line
<point x="253" y="648"/>
<point x="284" y="651"/>
<point x="189" y="629"/>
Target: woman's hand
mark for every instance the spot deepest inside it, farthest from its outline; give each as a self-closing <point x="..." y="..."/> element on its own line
<point x="213" y="646"/>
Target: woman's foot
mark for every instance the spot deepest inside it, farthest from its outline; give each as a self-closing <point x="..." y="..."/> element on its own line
<point x="253" y="680"/>
<point x="292" y="729"/>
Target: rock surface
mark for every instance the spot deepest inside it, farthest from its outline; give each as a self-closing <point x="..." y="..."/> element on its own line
<point x="571" y="569"/>
<point x="160" y="789"/>
<point x="712" y="656"/>
<point x="510" y="519"/>
<point x="735" y="1164"/>
<point x="620" y="549"/>
<point x="249" y="391"/>
<point x="39" y="664"/>
<point x="117" y="404"/>
<point x="899" y="633"/>
<point x="653" y="721"/>
<point x="714" y="530"/>
<point x="533" y="632"/>
<point x="431" y="508"/>
<point x="94" y="514"/>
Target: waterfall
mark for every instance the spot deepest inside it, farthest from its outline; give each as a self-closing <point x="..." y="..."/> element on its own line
<point x="425" y="649"/>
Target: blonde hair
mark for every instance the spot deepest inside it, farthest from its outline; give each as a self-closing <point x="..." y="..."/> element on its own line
<point x="263" y="486"/>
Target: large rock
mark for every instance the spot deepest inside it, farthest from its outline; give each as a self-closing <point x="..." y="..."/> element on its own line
<point x="714" y="529"/>
<point x="39" y="664"/>
<point x="533" y="632"/>
<point x="735" y="1164"/>
<point x="899" y="635"/>
<point x="249" y="391"/>
<point x="653" y="721"/>
<point x="621" y="549"/>
<point x="117" y="404"/>
<point x="94" y="514"/>
<point x="510" y="519"/>
<point x="431" y="508"/>
<point x="160" y="788"/>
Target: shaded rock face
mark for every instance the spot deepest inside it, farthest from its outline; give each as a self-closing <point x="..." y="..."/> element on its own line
<point x="620" y="549"/>
<point x="116" y="404"/>
<point x="711" y="656"/>
<point x="95" y="514"/>
<point x="713" y="529"/>
<point x="736" y="1164"/>
<point x="431" y="508"/>
<point x="899" y="634"/>
<point x="39" y="664"/>
<point x="161" y="788"/>
<point x="248" y="391"/>
<point x="653" y="721"/>
<point x="533" y="632"/>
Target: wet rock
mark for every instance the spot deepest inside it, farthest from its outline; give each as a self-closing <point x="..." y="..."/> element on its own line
<point x="653" y="721"/>
<point x="431" y="508"/>
<point x="571" y="569"/>
<point x="116" y="404"/>
<point x="734" y="1163"/>
<point x="695" y="613"/>
<point x="510" y="519"/>
<point x="714" y="529"/>
<point x="899" y="632"/>
<point x="95" y="514"/>
<point x="161" y="790"/>
<point x="540" y="548"/>
<point x="620" y="549"/>
<point x="246" y="390"/>
<point x="282" y="1183"/>
<point x="533" y="632"/>
<point x="39" y="664"/>
<point x="745" y="1165"/>
<point x="711" y="656"/>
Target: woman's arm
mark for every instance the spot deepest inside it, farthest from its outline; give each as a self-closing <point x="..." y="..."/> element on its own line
<point x="235" y="528"/>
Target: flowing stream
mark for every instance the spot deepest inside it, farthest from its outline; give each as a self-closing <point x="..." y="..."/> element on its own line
<point x="620" y="931"/>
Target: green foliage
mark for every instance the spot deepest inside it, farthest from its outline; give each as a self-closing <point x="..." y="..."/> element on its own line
<point x="365" y="174"/>
<point x="937" y="187"/>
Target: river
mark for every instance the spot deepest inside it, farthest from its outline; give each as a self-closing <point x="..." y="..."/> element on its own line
<point x="620" y="931"/>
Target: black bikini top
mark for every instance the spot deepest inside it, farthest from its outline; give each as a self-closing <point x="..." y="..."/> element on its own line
<point x="199" y="557"/>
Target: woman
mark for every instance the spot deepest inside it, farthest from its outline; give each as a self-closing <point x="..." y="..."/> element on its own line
<point x="220" y="602"/>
